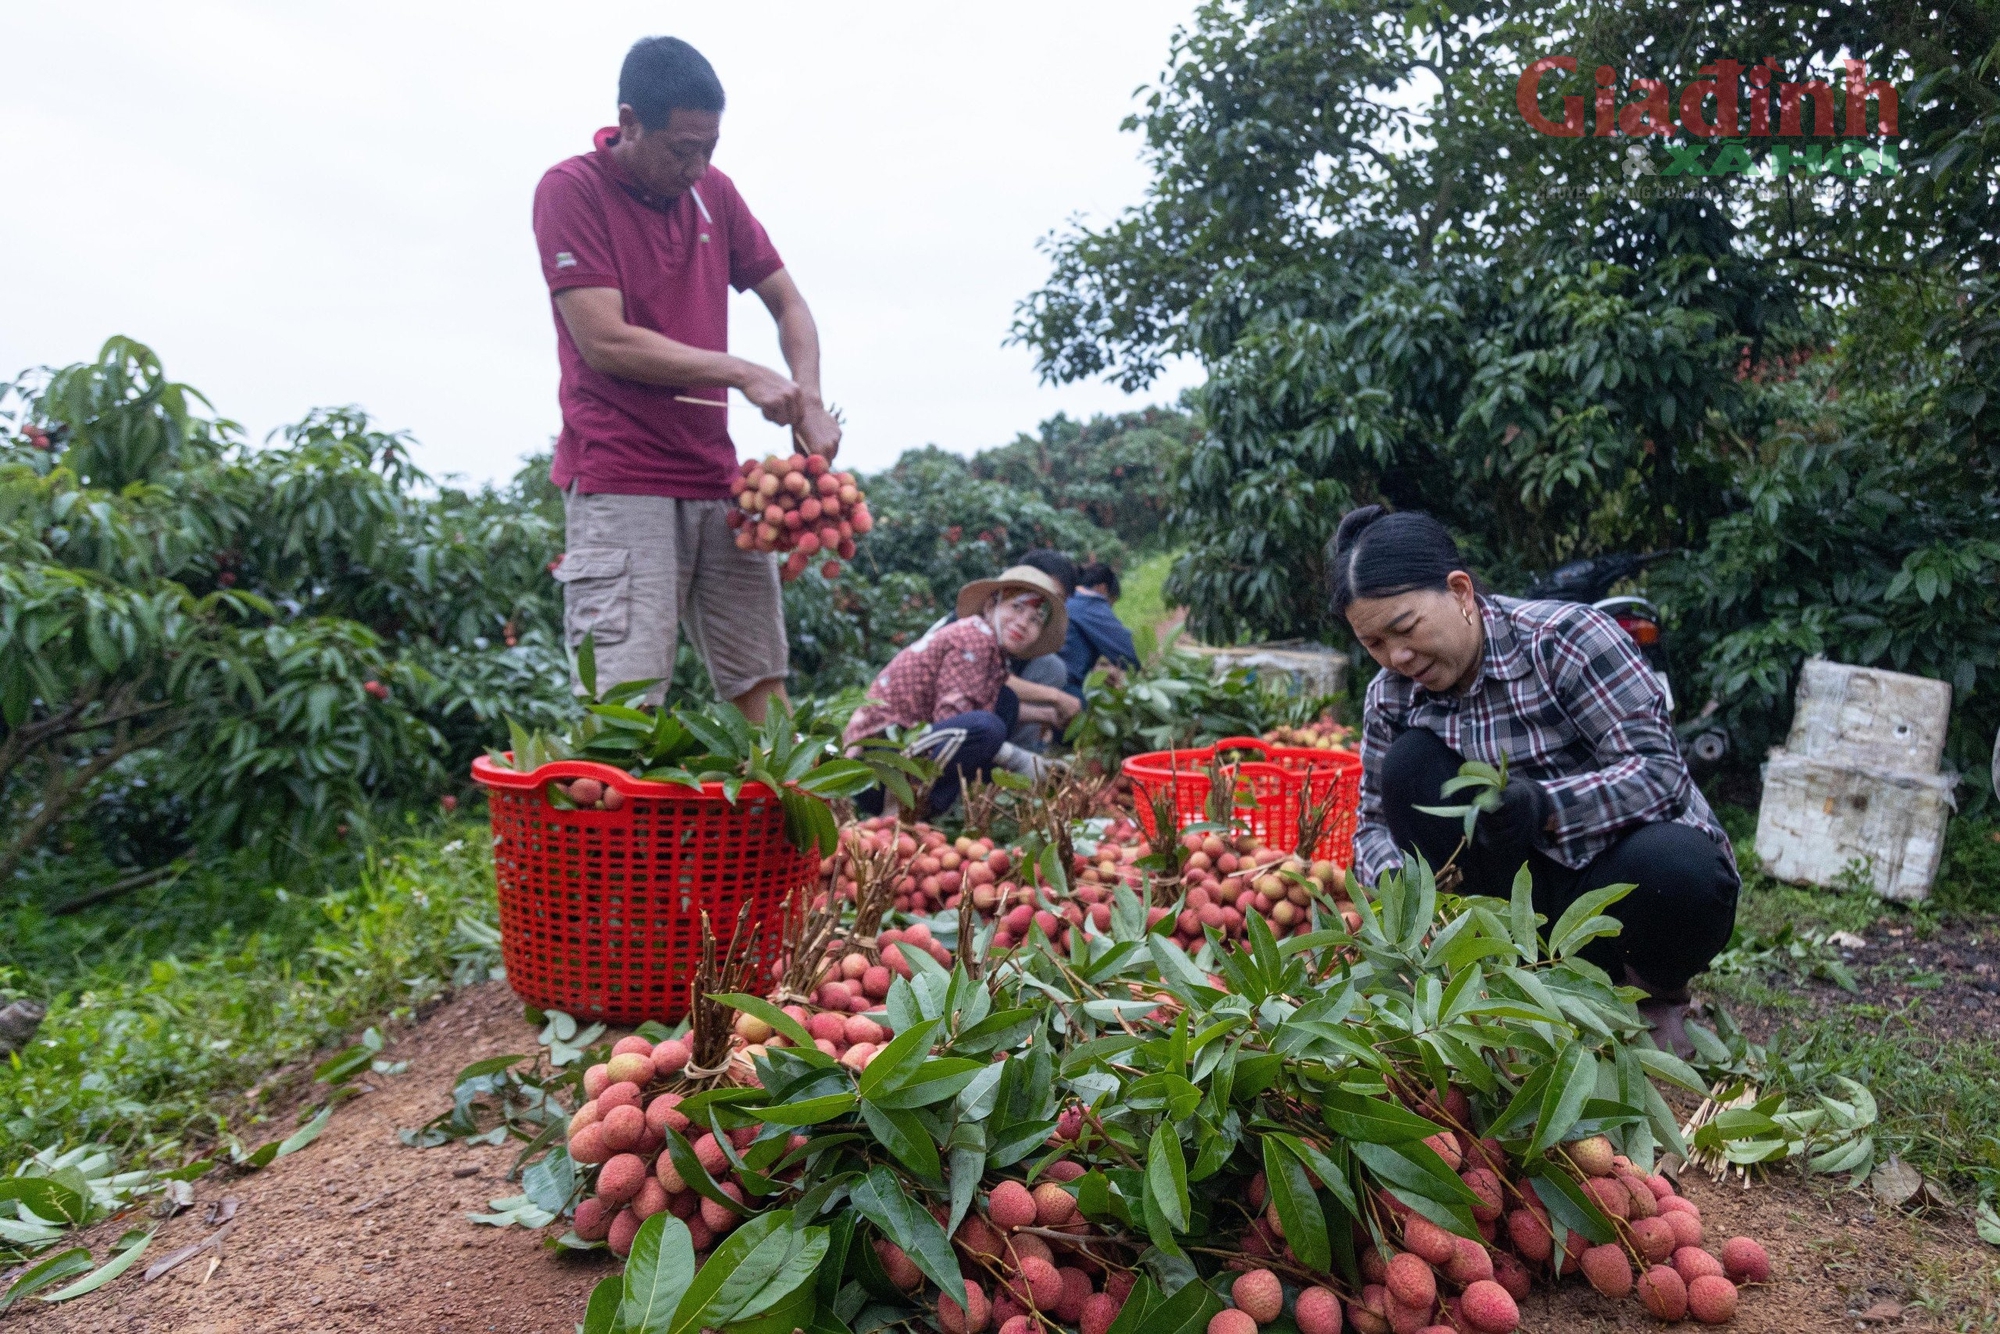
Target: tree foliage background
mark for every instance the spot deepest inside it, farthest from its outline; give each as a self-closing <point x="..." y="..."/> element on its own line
<point x="207" y="644"/>
<point x="1402" y="292"/>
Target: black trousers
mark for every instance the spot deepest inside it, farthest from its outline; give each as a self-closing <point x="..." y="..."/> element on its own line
<point x="1675" y="922"/>
<point x="963" y="746"/>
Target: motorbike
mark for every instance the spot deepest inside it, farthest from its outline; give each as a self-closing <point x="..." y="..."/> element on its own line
<point x="1591" y="580"/>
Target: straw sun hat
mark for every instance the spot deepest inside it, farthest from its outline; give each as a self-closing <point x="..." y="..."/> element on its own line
<point x="1021" y="579"/>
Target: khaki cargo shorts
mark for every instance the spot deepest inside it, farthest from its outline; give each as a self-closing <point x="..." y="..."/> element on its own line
<point x="639" y="568"/>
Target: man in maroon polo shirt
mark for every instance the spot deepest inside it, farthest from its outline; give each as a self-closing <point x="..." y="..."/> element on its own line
<point x="641" y="240"/>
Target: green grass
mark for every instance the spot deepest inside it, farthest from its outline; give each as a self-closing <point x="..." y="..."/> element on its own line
<point x="1142" y="601"/>
<point x="163" y="1006"/>
<point x="1939" y="1097"/>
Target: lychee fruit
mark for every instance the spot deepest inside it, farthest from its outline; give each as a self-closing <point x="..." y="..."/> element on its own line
<point x="630" y="1067"/>
<point x="1643" y="1203"/>
<point x="595" y="1080"/>
<point x="720" y="1217"/>
<point x="1317" y="1312"/>
<point x="1023" y="1246"/>
<point x="1490" y="1308"/>
<point x="1044" y="1282"/>
<point x="1685" y="1226"/>
<point x="1100" y="1312"/>
<point x="1655" y="1239"/>
<point x="1471" y="1263"/>
<point x="622" y="1128"/>
<point x="651" y="1199"/>
<point x="1011" y="1206"/>
<point x="1691" y="1262"/>
<point x="1745" y="1261"/>
<point x="1445" y="1145"/>
<point x="1531" y="1236"/>
<point x="1076" y="1291"/>
<point x="593" y="1219"/>
<point x="587" y="1145"/>
<point x="977" y="1238"/>
<point x="708" y="1151"/>
<point x="623" y="1228"/>
<point x="664" y="1113"/>
<point x="1021" y="1324"/>
<point x="1261" y="1296"/>
<point x="1608" y="1270"/>
<point x="671" y="1056"/>
<point x="1255" y="1195"/>
<point x="1229" y="1321"/>
<point x="633" y="1043"/>
<point x="1609" y="1194"/>
<point x="1483" y="1182"/>
<point x="1680" y="1204"/>
<point x="1054" y="1206"/>
<point x="1368" y="1313"/>
<point x="1664" y="1294"/>
<point x="619" y="1180"/>
<point x="898" y="1267"/>
<point x="624" y="1093"/>
<point x="1411" y="1281"/>
<point x="1592" y="1155"/>
<point x="1511" y="1274"/>
<point x="968" y="1317"/>
<point x="1429" y="1240"/>
<point x="1711" y="1299"/>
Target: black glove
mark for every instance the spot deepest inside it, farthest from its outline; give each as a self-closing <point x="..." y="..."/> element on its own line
<point x="1523" y="818"/>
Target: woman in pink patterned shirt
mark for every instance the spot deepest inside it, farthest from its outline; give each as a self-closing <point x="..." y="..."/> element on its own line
<point x="954" y="681"/>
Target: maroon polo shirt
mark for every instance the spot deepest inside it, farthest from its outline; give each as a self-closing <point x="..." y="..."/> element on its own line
<point x="675" y="261"/>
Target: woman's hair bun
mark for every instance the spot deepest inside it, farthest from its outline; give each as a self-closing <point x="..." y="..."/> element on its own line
<point x="1352" y="524"/>
<point x="1375" y="553"/>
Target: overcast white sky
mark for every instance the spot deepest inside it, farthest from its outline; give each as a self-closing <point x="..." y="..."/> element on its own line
<point x="305" y="205"/>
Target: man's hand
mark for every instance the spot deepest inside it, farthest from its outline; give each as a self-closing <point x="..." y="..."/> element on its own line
<point x="1067" y="705"/>
<point x="781" y="400"/>
<point x="819" y="430"/>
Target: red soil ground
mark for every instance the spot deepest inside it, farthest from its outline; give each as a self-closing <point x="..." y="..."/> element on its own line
<point x="358" y="1233"/>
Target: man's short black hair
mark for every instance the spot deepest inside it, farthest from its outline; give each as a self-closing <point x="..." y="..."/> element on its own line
<point x="1054" y="564"/>
<point x="661" y="73"/>
<point x="1099" y="575"/>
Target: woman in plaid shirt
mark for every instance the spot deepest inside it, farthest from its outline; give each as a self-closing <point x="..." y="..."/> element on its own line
<point x="954" y="684"/>
<point x="1597" y="791"/>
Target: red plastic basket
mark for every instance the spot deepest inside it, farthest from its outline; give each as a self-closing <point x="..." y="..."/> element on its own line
<point x="600" y="911"/>
<point x="1281" y="782"/>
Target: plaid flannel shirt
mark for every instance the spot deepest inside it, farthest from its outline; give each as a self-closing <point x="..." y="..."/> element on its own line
<point x="1563" y="693"/>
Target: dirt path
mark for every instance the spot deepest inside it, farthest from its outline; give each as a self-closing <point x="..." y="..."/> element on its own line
<point x="358" y="1233"/>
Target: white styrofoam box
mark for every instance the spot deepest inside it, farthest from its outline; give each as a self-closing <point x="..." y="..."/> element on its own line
<point x="1309" y="669"/>
<point x="1860" y="715"/>
<point x="1821" y="817"/>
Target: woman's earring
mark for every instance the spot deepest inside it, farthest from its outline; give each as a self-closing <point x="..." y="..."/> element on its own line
<point x="1468" y="615"/>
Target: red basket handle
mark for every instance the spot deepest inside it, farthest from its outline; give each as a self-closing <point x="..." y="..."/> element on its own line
<point x="1257" y="744"/>
<point x="489" y="774"/>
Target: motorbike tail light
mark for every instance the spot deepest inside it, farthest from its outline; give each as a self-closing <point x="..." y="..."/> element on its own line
<point x="1643" y="632"/>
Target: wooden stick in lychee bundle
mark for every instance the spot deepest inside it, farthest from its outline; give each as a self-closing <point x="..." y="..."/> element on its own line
<point x="710" y="1023"/>
<point x="1313" y="816"/>
<point x="810" y="927"/>
<point x="875" y="875"/>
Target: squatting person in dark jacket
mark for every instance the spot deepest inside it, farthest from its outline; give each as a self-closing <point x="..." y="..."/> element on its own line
<point x="1597" y="791"/>
<point x="1095" y="632"/>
